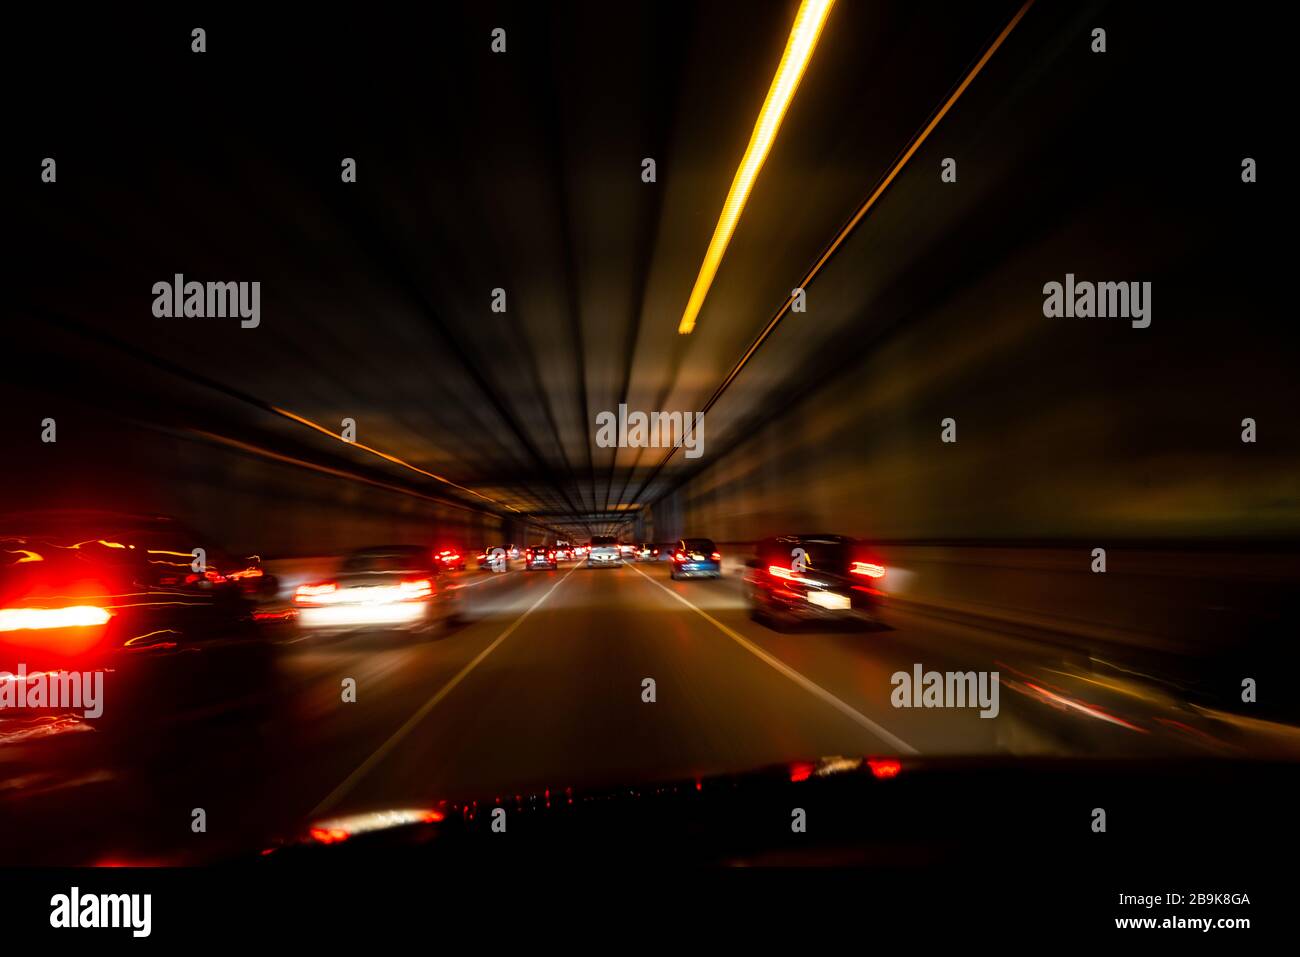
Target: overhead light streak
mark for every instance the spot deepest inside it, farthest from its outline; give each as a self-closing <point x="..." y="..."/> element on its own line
<point x="386" y="457"/>
<point x="844" y="233"/>
<point x="808" y="23"/>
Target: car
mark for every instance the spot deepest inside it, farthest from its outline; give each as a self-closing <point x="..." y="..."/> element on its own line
<point x="81" y="587"/>
<point x="541" y="556"/>
<point x="494" y="558"/>
<point x="388" y="587"/>
<point x="563" y="550"/>
<point x="604" y="552"/>
<point x="452" y="559"/>
<point x="626" y="549"/>
<point x="795" y="578"/>
<point x="514" y="552"/>
<point x="646" y="552"/>
<point x="696" y="558"/>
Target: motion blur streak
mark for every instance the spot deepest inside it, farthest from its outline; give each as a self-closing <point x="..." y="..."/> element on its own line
<point x="808" y="23"/>
<point x="77" y="616"/>
<point x="386" y="457"/>
<point x="848" y="227"/>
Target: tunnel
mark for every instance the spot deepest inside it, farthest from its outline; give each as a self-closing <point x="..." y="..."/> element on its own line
<point x="858" y="338"/>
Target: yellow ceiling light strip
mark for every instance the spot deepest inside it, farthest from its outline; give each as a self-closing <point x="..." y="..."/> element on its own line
<point x="808" y="23"/>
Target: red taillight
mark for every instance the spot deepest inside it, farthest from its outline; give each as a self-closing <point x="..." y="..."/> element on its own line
<point x="211" y="575"/>
<point x="33" y="619"/>
<point x="305" y="593"/>
<point x="781" y="572"/>
<point x="869" y="569"/>
<point x="329" y="835"/>
<point x="717" y="556"/>
<point x="679" y="557"/>
<point x="413" y="589"/>
<point x="884" y="767"/>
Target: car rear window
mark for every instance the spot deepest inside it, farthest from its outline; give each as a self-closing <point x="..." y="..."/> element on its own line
<point x="699" y="544"/>
<point x="384" y="561"/>
<point x="602" y="541"/>
<point x="819" y="553"/>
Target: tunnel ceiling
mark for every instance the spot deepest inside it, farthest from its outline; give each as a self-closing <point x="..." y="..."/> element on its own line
<point x="523" y="172"/>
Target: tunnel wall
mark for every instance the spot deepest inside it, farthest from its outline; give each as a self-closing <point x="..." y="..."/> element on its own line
<point x="248" y="504"/>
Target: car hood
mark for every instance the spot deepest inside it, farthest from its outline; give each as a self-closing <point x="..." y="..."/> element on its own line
<point x="897" y="812"/>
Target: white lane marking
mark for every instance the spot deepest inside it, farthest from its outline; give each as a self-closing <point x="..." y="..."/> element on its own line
<point x="806" y="683"/>
<point x="422" y="712"/>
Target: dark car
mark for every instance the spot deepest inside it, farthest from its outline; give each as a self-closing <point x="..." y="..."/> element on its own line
<point x="451" y="559"/>
<point x="696" y="558"/>
<point x="646" y="552"/>
<point x="83" y="586"/>
<point x="397" y="587"/>
<point x="793" y="578"/>
<point x="540" y="556"/>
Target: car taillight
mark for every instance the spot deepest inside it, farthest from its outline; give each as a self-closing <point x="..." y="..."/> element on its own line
<point x="305" y="593"/>
<point x="33" y="619"/>
<point x="717" y="556"/>
<point x="679" y="557"/>
<point x="868" y="569"/>
<point x="210" y="575"/>
<point x="885" y="768"/>
<point x="413" y="589"/>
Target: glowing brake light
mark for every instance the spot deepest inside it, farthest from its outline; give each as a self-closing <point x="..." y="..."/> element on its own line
<point x="716" y="556"/>
<point x="869" y="569"/>
<point x="414" y="589"/>
<point x="884" y="768"/>
<point x="329" y="835"/>
<point x="679" y="556"/>
<point x="75" y="616"/>
<point x="305" y="593"/>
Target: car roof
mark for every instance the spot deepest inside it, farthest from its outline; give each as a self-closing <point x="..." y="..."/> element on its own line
<point x="389" y="550"/>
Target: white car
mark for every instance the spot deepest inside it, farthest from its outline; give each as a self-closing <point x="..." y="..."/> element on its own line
<point x="398" y="587"/>
<point x="604" y="552"/>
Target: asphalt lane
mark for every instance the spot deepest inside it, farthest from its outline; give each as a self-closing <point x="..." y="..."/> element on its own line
<point x="541" y="687"/>
<point x="561" y="703"/>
